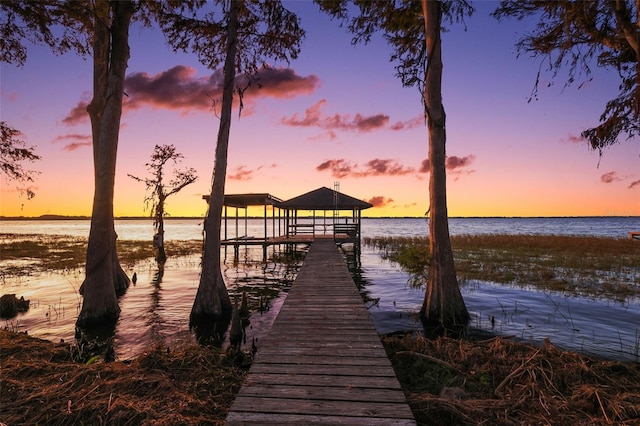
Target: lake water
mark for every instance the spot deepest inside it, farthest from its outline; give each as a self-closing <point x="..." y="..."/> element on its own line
<point x="158" y="306"/>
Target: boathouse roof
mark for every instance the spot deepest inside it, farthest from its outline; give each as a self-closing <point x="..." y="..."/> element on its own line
<point x="242" y="201"/>
<point x="318" y="199"/>
<point x="324" y="199"/>
<point x="245" y="200"/>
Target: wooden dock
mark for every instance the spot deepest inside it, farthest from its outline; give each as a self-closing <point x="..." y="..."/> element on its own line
<point x="322" y="362"/>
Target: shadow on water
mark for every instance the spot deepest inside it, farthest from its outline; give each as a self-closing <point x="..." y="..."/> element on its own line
<point x="97" y="340"/>
<point x="373" y="300"/>
<point x="212" y="332"/>
<point x="93" y="344"/>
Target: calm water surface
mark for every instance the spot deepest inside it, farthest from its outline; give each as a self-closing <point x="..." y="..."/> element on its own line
<point x="158" y="306"/>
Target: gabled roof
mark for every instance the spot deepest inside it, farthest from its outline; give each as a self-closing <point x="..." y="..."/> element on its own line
<point x="245" y="200"/>
<point x="324" y="199"/>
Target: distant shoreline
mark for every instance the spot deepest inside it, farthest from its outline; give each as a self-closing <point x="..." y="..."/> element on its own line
<point x="63" y="217"/>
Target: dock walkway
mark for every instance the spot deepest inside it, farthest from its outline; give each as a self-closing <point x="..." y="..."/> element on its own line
<point x="322" y="362"/>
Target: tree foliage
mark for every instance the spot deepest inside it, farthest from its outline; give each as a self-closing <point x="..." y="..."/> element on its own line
<point x="57" y="24"/>
<point x="267" y="31"/>
<point x="14" y="152"/>
<point x="401" y="24"/>
<point x="577" y="35"/>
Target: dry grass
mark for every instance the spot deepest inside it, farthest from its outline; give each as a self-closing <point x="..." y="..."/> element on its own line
<point x="500" y="382"/>
<point x="31" y="253"/>
<point x="183" y="385"/>
<point x="595" y="266"/>
<point x="447" y="382"/>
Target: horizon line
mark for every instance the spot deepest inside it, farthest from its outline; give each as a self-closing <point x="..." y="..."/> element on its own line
<point x="83" y="217"/>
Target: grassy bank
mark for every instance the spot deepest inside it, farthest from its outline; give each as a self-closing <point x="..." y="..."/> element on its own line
<point x="446" y="381"/>
<point x="594" y="266"/>
<point x="502" y="382"/>
<point x="31" y="253"/>
<point x="41" y="384"/>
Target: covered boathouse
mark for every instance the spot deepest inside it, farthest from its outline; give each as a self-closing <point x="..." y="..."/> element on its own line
<point x="321" y="213"/>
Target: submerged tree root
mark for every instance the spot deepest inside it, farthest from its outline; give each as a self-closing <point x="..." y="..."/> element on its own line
<point x="163" y="386"/>
<point x="500" y="382"/>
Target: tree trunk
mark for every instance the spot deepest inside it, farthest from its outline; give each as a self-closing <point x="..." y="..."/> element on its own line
<point x="211" y="311"/>
<point x="443" y="305"/>
<point x="104" y="276"/>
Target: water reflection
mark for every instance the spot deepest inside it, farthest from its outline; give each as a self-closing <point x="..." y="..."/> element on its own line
<point x="154" y="321"/>
<point x="594" y="326"/>
<point x="600" y="327"/>
<point x="260" y="286"/>
<point x="211" y="332"/>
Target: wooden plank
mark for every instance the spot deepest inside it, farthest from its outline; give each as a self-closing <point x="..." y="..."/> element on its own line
<point x="324" y="393"/>
<point x="237" y="418"/>
<point x="284" y="357"/>
<point x="351" y="382"/>
<point x="322" y="362"/>
<point x="355" y="353"/>
<point x="347" y="340"/>
<point x="323" y="407"/>
<point x="323" y="369"/>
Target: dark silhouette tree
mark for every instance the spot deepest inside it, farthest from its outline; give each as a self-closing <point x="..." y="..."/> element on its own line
<point x="99" y="28"/>
<point x="14" y="152"/>
<point x="104" y="276"/>
<point x="443" y="304"/>
<point x="158" y="191"/>
<point x="249" y="33"/>
<point x="413" y="29"/>
<point x="576" y="35"/>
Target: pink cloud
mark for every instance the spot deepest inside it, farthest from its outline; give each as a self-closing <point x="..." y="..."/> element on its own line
<point x="610" y="177"/>
<point x="11" y="97"/>
<point x="409" y="124"/>
<point x="179" y="88"/>
<point x="75" y="145"/>
<point x="313" y="117"/>
<point x="341" y="168"/>
<point x="282" y="83"/>
<point x="424" y="166"/>
<point x="574" y="139"/>
<point x="79" y="141"/>
<point x="454" y="164"/>
<point x="634" y="184"/>
<point x="78" y="114"/>
<point x="380" y="201"/>
<point x="242" y="173"/>
<point x="386" y="167"/>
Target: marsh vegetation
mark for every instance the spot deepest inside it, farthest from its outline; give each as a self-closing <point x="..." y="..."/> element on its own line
<point x="579" y="265"/>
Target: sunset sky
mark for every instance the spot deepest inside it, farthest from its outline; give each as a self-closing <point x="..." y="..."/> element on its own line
<point x="338" y="113"/>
